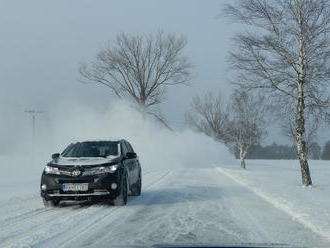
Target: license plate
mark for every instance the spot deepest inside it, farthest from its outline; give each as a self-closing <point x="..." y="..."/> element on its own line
<point x="75" y="187"/>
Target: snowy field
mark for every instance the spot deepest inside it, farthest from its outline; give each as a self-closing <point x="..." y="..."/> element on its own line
<point x="187" y="205"/>
<point x="278" y="182"/>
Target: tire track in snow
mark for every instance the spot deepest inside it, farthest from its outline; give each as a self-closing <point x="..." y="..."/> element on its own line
<point x="98" y="220"/>
<point x="170" y="214"/>
<point x="17" y="206"/>
<point x="18" y="218"/>
<point x="196" y="207"/>
<point x="43" y="221"/>
<point x="40" y="227"/>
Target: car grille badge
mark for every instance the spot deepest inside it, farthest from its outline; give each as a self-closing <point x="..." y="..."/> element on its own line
<point x="76" y="173"/>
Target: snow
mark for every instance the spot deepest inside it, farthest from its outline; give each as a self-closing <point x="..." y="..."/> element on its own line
<point x="185" y="205"/>
<point x="84" y="160"/>
<point x="278" y="182"/>
<point x="185" y="198"/>
<point x="19" y="177"/>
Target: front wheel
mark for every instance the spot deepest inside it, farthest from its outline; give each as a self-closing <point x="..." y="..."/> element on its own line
<point x="51" y="203"/>
<point x="121" y="199"/>
<point x="136" y="189"/>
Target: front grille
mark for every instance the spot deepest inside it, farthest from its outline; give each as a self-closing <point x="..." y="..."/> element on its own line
<point x="76" y="180"/>
<point x="65" y="172"/>
<point x="53" y="191"/>
<point x="69" y="171"/>
<point x="90" y="191"/>
<point x="101" y="191"/>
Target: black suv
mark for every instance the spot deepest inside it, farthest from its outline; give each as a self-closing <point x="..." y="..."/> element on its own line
<point x="92" y="170"/>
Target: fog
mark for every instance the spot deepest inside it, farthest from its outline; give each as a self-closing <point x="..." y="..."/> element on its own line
<point x="157" y="147"/>
<point x="43" y="43"/>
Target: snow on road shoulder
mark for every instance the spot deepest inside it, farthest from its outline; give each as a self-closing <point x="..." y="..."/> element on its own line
<point x="278" y="182"/>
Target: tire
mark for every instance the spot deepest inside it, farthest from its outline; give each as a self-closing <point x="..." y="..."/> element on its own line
<point x="51" y="203"/>
<point x="121" y="200"/>
<point x="136" y="189"/>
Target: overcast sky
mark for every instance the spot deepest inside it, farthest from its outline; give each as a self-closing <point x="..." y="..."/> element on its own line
<point x="42" y="43"/>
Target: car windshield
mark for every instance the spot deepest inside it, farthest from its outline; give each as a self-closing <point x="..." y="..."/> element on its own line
<point x="91" y="149"/>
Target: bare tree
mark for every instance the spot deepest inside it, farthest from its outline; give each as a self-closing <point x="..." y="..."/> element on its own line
<point x="238" y="124"/>
<point x="245" y="127"/>
<point x="285" y="52"/>
<point x="209" y="115"/>
<point x="140" y="68"/>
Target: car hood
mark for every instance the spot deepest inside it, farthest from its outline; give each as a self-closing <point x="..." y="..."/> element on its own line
<point x="85" y="161"/>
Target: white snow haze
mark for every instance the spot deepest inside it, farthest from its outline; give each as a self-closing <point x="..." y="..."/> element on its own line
<point x="157" y="147"/>
<point x="193" y="193"/>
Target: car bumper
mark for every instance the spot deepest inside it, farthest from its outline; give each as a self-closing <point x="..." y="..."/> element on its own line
<point x="99" y="187"/>
<point x="78" y="196"/>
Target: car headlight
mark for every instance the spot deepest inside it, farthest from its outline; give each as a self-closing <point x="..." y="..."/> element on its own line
<point x="52" y="170"/>
<point x="101" y="170"/>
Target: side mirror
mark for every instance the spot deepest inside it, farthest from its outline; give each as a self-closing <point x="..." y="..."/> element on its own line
<point x="55" y="156"/>
<point x="131" y="155"/>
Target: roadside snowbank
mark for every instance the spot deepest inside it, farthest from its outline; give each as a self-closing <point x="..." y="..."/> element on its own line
<point x="278" y="182"/>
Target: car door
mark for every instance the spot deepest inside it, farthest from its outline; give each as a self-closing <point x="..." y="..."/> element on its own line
<point x="125" y="160"/>
<point x="136" y="169"/>
<point x="129" y="163"/>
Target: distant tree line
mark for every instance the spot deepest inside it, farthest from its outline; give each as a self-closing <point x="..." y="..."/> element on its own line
<point x="278" y="151"/>
<point x="273" y="151"/>
<point x="326" y="151"/>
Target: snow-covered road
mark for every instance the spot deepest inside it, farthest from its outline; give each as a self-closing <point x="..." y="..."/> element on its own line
<point x="199" y="206"/>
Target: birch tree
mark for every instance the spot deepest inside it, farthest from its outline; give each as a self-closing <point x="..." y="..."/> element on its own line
<point x="238" y="124"/>
<point x="140" y="68"/>
<point x="246" y="122"/>
<point x="285" y="52"/>
<point x="312" y="125"/>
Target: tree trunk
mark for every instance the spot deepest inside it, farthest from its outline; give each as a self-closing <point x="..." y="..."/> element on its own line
<point x="300" y="104"/>
<point x="242" y="155"/>
<point x="243" y="166"/>
<point x="300" y="138"/>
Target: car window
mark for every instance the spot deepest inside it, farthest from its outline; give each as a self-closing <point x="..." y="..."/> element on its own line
<point x="124" y="148"/>
<point x="130" y="148"/>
